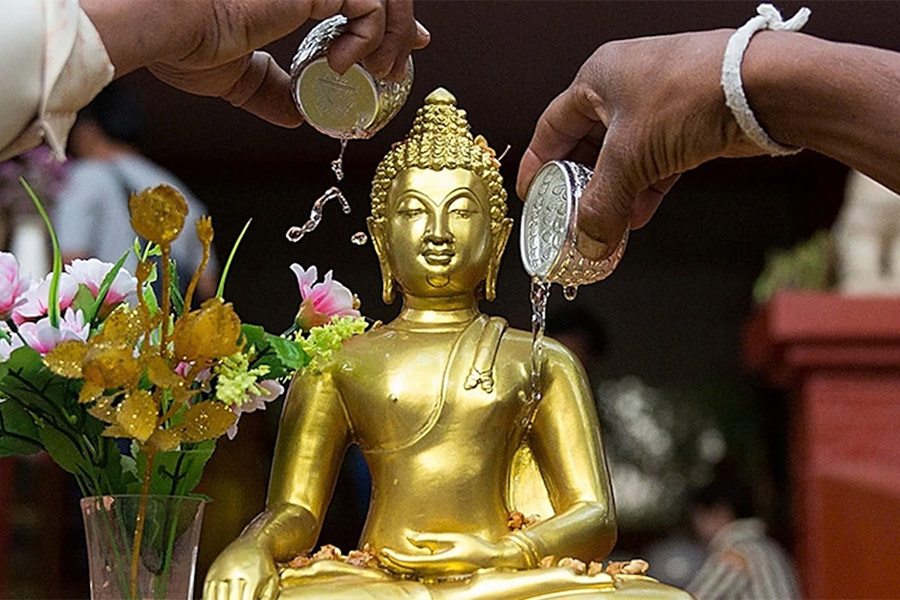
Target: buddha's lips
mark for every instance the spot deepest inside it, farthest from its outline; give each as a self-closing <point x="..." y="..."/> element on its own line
<point x="438" y="257"/>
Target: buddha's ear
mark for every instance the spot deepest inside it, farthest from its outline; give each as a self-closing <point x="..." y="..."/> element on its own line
<point x="498" y="242"/>
<point x="379" y="240"/>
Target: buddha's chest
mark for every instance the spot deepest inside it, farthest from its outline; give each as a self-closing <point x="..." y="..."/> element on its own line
<point x="417" y="389"/>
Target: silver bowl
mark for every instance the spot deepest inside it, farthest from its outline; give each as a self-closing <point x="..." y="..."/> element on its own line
<point x="354" y="105"/>
<point x="549" y="228"/>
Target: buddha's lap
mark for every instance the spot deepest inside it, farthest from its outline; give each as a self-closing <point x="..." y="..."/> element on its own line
<point x="329" y="580"/>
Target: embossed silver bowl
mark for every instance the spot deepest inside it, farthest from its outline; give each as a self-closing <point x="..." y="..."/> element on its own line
<point x="354" y="105"/>
<point x="549" y="228"/>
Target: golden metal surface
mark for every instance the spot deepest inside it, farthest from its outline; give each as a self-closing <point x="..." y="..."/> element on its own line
<point x="436" y="401"/>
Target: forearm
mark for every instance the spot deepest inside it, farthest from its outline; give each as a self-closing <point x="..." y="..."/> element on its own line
<point x="139" y="32"/>
<point x="586" y="531"/>
<point x="283" y="531"/>
<point x="841" y="100"/>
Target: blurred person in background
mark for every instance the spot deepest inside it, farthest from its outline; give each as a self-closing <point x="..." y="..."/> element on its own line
<point x="743" y="562"/>
<point x="92" y="217"/>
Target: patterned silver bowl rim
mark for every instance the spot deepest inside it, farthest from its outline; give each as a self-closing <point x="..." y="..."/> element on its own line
<point x="569" y="267"/>
<point x="391" y="95"/>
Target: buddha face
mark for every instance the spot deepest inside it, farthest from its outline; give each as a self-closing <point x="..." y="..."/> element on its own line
<point x="437" y="232"/>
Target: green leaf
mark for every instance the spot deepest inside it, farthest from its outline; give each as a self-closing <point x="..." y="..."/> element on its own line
<point x="83" y="300"/>
<point x="18" y="433"/>
<point x="177" y="472"/>
<point x="281" y="355"/>
<point x="220" y="291"/>
<point x="53" y="296"/>
<point x="63" y="450"/>
<point x="289" y="352"/>
<point x="103" y="290"/>
<point x="175" y="289"/>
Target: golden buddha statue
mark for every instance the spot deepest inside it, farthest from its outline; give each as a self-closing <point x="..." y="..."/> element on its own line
<point x="439" y="402"/>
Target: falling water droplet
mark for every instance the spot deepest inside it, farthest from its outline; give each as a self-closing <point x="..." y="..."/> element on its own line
<point x="337" y="165"/>
<point x="294" y="234"/>
<point x="570" y="291"/>
<point x="359" y="238"/>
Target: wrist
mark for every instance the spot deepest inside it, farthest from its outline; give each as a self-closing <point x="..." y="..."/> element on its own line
<point x="517" y="552"/>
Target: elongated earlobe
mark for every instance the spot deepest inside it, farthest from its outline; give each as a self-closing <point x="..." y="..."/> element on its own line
<point x="500" y="237"/>
<point x="376" y="231"/>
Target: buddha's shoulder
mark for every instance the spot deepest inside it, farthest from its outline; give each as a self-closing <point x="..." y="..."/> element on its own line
<point x="516" y="344"/>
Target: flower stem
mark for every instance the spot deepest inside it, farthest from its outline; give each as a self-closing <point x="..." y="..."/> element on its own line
<point x="139" y="520"/>
<point x="221" y="289"/>
<point x="53" y="299"/>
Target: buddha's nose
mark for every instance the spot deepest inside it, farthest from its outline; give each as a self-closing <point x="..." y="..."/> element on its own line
<point x="438" y="231"/>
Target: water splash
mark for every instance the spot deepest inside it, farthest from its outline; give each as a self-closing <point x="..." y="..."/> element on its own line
<point x="337" y="165"/>
<point x="295" y="233"/>
<point x="540" y="292"/>
<point x="359" y="238"/>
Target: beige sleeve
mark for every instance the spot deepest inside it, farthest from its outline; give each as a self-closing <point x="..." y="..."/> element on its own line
<point x="52" y="63"/>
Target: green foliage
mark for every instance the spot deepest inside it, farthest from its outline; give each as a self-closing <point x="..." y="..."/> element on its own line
<point x="806" y="266"/>
<point x="281" y="355"/>
<point x="175" y="473"/>
<point x="18" y="433"/>
<point x="40" y="411"/>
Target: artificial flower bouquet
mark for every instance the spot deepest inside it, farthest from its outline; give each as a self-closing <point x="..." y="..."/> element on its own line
<point x="91" y="354"/>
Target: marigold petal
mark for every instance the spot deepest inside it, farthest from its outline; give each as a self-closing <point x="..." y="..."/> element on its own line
<point x="210" y="332"/>
<point x="110" y="365"/>
<point x="161" y="374"/>
<point x="165" y="439"/>
<point x="65" y="359"/>
<point x="89" y="392"/>
<point x="104" y="410"/>
<point x="206" y="420"/>
<point x="123" y="325"/>
<point x="138" y="414"/>
<point x="115" y="431"/>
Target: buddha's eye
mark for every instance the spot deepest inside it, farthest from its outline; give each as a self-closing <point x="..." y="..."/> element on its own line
<point x="463" y="208"/>
<point x="461" y="213"/>
<point x="411" y="208"/>
<point x="411" y="212"/>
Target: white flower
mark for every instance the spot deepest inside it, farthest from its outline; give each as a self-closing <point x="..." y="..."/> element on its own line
<point x="43" y="337"/>
<point x="93" y="271"/>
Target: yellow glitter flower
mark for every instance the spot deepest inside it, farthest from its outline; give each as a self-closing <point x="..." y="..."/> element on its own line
<point x="157" y="214"/>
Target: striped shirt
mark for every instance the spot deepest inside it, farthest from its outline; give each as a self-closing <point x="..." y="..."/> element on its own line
<point x="745" y="564"/>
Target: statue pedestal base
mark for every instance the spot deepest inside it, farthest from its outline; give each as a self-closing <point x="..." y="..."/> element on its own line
<point x="840" y="358"/>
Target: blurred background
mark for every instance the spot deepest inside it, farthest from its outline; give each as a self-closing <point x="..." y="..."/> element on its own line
<point x="664" y="343"/>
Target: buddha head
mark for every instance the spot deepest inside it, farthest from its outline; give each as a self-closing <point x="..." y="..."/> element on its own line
<point x="438" y="220"/>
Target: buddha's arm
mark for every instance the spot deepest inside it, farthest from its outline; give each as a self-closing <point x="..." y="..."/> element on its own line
<point x="565" y="439"/>
<point x="312" y="438"/>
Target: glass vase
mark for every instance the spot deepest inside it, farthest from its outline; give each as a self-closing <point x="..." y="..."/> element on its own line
<point x="167" y="561"/>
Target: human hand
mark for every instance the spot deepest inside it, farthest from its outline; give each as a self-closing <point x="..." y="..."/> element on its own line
<point x="643" y="111"/>
<point x="242" y="572"/>
<point x="210" y="48"/>
<point x="451" y="554"/>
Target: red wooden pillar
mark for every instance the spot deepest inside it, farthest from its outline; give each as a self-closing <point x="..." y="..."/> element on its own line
<point x="840" y="359"/>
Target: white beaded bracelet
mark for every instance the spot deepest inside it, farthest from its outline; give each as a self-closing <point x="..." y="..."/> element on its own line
<point x="735" y="99"/>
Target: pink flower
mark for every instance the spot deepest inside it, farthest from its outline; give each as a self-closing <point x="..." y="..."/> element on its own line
<point x="269" y="390"/>
<point x="93" y="271"/>
<point x="43" y="337"/>
<point x="36" y="300"/>
<point x="183" y="368"/>
<point x="7" y="347"/>
<point x="11" y="285"/>
<point x="321" y="301"/>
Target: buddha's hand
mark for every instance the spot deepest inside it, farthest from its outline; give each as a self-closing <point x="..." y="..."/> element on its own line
<point x="452" y="554"/>
<point x="642" y="112"/>
<point x="243" y="571"/>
